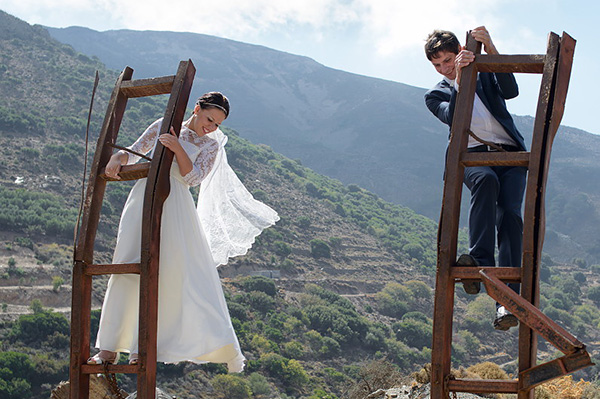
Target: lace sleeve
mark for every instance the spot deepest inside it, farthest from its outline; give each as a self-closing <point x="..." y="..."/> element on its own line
<point x="203" y="164"/>
<point x="146" y="142"/>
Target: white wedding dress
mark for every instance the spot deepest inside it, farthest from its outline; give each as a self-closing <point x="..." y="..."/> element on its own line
<point x="193" y="320"/>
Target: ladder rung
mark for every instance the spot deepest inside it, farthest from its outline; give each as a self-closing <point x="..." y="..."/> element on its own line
<point x="510" y="274"/>
<point x="147" y="87"/>
<point x="530" y="63"/>
<point x="119" y="268"/>
<point x="484" y="386"/>
<point x="113" y="369"/>
<point x="129" y="172"/>
<point x="520" y="158"/>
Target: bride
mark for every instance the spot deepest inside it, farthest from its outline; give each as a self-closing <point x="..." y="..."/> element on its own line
<point x="193" y="320"/>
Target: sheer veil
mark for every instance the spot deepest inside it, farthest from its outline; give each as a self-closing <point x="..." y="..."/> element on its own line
<point x="229" y="214"/>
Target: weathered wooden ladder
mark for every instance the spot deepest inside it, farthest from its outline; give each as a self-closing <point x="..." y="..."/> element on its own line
<point x="157" y="190"/>
<point x="555" y="68"/>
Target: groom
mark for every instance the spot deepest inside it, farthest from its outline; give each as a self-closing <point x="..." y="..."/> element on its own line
<point x="496" y="191"/>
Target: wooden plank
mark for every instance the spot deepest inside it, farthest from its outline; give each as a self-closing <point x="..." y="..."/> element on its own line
<point x="564" y="65"/>
<point x="483" y="386"/>
<point x="129" y="172"/>
<point x="157" y="190"/>
<point x="84" y="249"/>
<point x="148" y="87"/>
<point x="96" y="186"/>
<point x="122" y="268"/>
<point x="113" y="369"/>
<point x="80" y="336"/>
<point x="530" y="315"/>
<point x="503" y="63"/>
<point x="556" y="368"/>
<point x="533" y="218"/>
<point x="518" y="158"/>
<point x="506" y="274"/>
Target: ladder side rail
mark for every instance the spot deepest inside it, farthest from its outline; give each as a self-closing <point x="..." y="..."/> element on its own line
<point x="157" y="190"/>
<point x="562" y="59"/>
<point x="81" y="295"/>
<point x="531" y="218"/>
<point x="448" y="229"/>
<point x="96" y="185"/>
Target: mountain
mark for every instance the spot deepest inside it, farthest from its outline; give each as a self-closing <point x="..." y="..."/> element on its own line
<point x="354" y="272"/>
<point x="371" y="132"/>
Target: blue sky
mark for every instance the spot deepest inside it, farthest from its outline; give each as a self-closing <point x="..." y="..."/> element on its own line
<point x="379" y="38"/>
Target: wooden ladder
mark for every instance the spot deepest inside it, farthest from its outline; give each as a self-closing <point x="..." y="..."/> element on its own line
<point x="555" y="68"/>
<point x="157" y="190"/>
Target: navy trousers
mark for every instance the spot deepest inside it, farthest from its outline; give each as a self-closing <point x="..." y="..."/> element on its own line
<point x="495" y="211"/>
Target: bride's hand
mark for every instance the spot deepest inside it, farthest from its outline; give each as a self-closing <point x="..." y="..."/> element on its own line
<point x="171" y="141"/>
<point x="113" y="167"/>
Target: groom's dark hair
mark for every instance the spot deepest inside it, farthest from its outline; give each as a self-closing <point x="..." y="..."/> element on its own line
<point x="441" y="40"/>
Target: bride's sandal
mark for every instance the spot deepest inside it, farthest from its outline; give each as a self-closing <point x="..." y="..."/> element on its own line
<point x="103" y="357"/>
<point x="134" y="359"/>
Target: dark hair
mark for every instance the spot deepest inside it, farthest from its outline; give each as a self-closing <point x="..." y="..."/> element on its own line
<point x="441" y="40"/>
<point x="214" y="99"/>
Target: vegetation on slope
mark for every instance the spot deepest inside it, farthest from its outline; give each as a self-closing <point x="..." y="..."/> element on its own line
<point x="356" y="271"/>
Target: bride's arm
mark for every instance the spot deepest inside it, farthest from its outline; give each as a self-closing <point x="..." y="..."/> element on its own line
<point x="142" y="145"/>
<point x="172" y="143"/>
<point x="203" y="164"/>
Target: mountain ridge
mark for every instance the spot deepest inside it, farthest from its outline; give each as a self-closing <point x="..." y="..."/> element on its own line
<point x="372" y="132"/>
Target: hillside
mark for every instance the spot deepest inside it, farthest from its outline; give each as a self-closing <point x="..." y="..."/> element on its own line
<point x="355" y="271"/>
<point x="371" y="132"/>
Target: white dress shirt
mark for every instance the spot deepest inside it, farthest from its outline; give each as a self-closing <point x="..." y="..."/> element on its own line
<point x="483" y="124"/>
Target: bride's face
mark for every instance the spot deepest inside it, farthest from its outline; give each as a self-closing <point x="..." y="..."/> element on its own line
<point x="206" y="120"/>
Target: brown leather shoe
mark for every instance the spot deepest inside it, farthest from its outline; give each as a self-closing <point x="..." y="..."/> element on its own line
<point x="471" y="287"/>
<point x="504" y="320"/>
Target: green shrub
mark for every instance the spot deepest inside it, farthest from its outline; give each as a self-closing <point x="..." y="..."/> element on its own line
<point x="313" y="190"/>
<point x="413" y="332"/>
<point x="418" y="316"/>
<point x="293" y="350"/>
<point x="259" y="283"/>
<point x="295" y="374"/>
<point x="24" y="242"/>
<point x="259" y="385"/>
<point x="37" y="327"/>
<point x="593" y="293"/>
<point x="262" y="345"/>
<point x="375" y="338"/>
<point x="274" y="364"/>
<point x="414" y="250"/>
<point x="237" y="310"/>
<point x="57" y="282"/>
<point x="392" y="300"/>
<point x="232" y="386"/>
<point x="260" y="301"/>
<point x="282" y="249"/>
<point x="319" y="249"/>
<point x="16" y="369"/>
<point x="330" y="348"/>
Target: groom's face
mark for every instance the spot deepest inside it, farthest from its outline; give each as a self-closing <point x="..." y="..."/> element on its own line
<point x="443" y="62"/>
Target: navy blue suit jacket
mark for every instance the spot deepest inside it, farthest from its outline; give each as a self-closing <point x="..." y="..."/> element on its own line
<point x="492" y="88"/>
